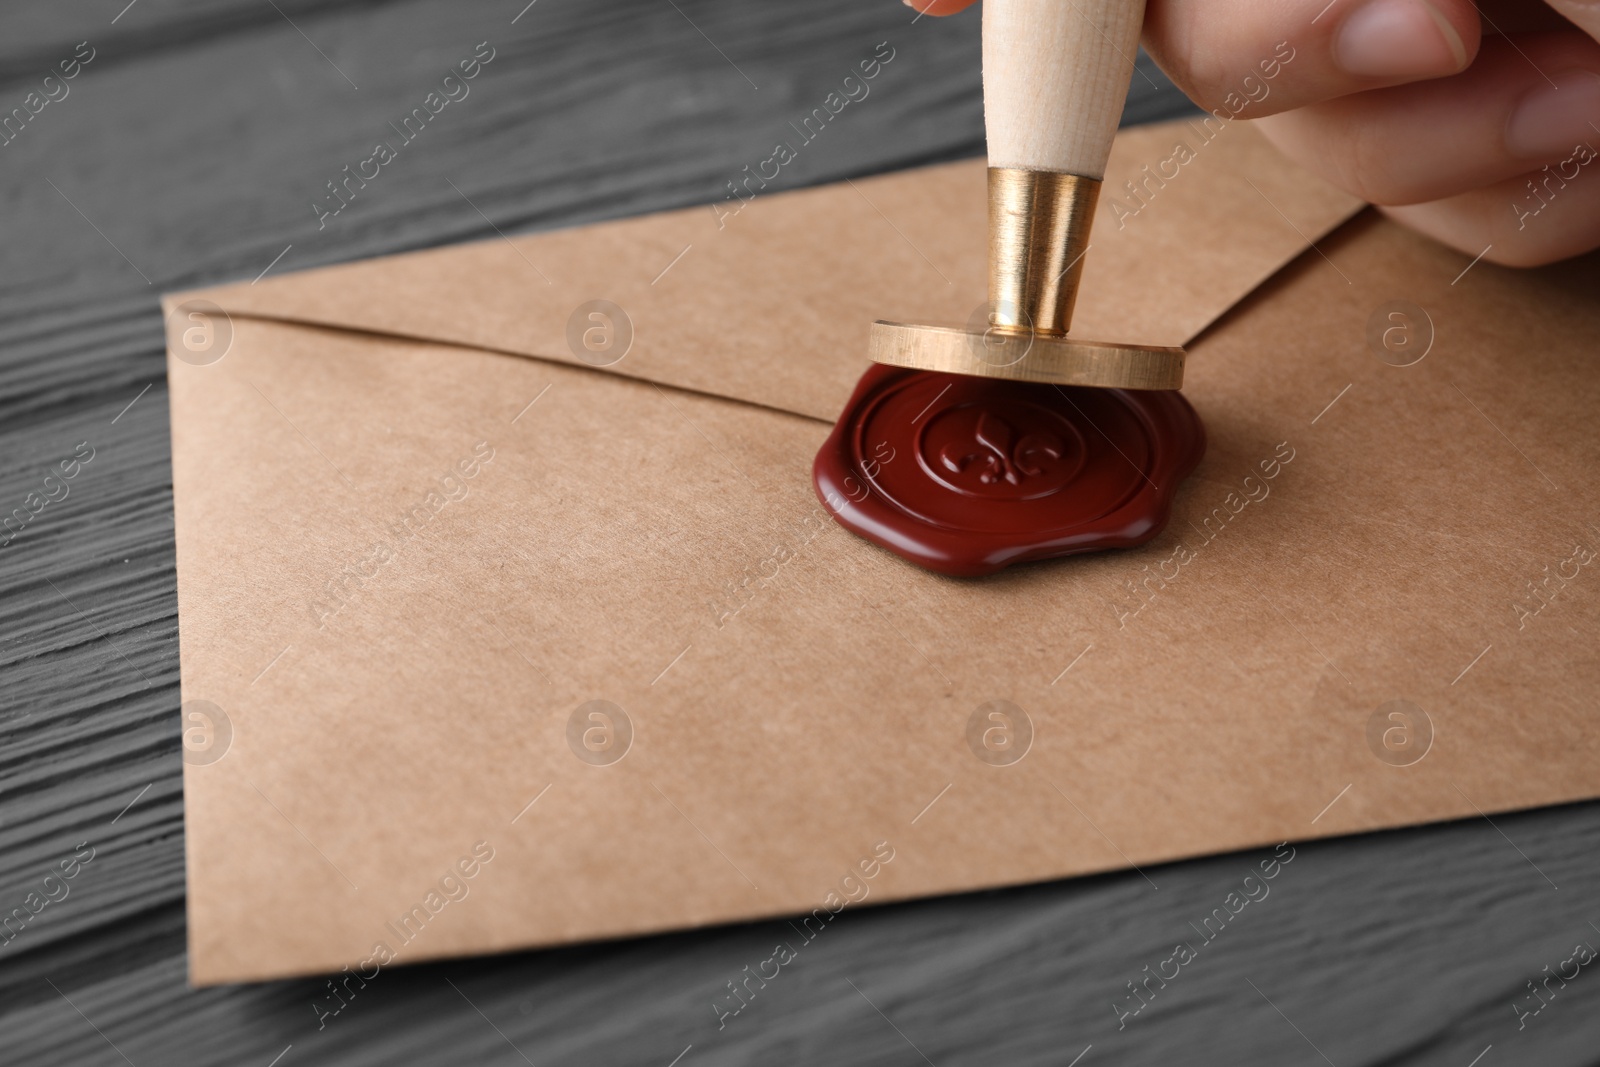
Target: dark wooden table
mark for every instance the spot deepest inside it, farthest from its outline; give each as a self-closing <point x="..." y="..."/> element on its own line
<point x="189" y="150"/>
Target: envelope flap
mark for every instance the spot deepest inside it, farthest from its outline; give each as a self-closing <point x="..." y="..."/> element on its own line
<point x="724" y="300"/>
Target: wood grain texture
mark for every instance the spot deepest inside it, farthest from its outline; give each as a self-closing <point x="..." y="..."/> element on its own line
<point x="189" y="152"/>
<point x="1054" y="79"/>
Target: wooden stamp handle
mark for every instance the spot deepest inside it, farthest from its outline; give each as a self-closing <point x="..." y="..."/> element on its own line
<point x="1055" y="76"/>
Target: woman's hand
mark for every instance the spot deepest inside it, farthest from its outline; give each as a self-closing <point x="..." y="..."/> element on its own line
<point x="1478" y="125"/>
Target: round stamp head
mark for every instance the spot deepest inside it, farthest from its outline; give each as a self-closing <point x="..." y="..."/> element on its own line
<point x="967" y="475"/>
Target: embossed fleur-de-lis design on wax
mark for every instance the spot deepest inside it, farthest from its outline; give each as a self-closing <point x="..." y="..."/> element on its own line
<point x="993" y="448"/>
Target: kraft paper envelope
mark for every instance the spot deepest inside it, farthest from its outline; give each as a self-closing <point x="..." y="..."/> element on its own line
<point x="418" y="536"/>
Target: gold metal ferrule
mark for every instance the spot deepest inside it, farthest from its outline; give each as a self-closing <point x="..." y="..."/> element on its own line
<point x="1038" y="233"/>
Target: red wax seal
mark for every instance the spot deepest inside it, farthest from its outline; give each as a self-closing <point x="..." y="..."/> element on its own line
<point x="967" y="475"/>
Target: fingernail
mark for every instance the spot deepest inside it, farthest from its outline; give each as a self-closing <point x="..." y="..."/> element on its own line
<point x="1552" y="120"/>
<point x="1398" y="39"/>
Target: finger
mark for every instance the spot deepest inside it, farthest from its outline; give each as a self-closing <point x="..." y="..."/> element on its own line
<point x="1584" y="14"/>
<point x="939" y="7"/>
<point x="1526" y="221"/>
<point x="1526" y="102"/>
<point x="1282" y="54"/>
